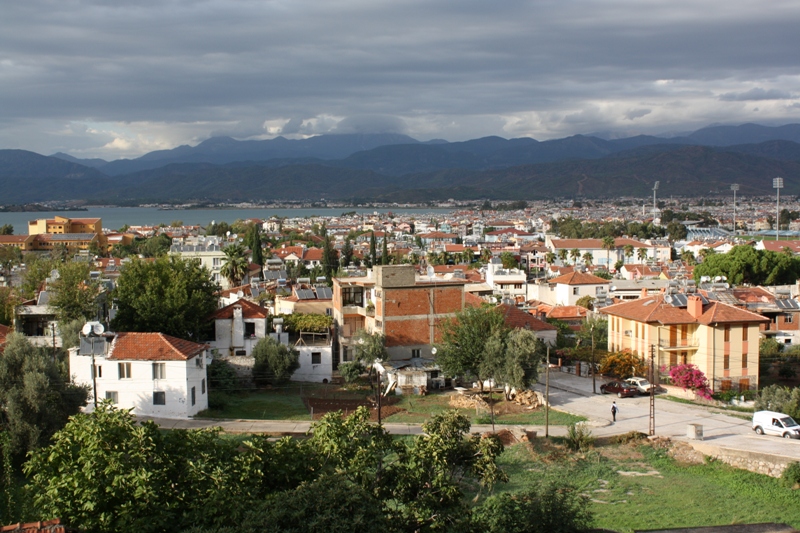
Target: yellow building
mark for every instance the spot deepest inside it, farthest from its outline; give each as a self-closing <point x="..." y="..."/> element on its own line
<point x="73" y="233"/>
<point x="721" y="340"/>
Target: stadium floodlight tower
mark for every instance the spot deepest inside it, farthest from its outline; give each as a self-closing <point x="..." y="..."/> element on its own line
<point x="777" y="184"/>
<point x="655" y="188"/>
<point x="734" y="188"/>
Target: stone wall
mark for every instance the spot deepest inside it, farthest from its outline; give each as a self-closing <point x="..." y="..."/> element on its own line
<point x="760" y="463"/>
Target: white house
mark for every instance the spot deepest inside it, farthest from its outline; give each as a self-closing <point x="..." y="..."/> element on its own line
<point x="509" y="283"/>
<point x="569" y="288"/>
<point x="152" y="373"/>
<point x="238" y="327"/>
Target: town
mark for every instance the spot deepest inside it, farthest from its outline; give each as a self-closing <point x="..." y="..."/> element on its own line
<point x="523" y="313"/>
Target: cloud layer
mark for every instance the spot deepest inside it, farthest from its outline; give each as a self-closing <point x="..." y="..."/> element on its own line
<point x="117" y="79"/>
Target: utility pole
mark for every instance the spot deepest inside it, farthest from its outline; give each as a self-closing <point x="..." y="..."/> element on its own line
<point x="777" y="184"/>
<point x="547" y="394"/>
<point x="594" y="382"/>
<point x="652" y="390"/>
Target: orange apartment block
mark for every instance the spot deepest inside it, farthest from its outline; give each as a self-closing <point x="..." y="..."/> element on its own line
<point x="394" y="301"/>
<point x="74" y="233"/>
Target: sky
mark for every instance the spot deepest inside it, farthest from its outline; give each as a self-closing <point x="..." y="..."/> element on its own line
<point x="110" y="79"/>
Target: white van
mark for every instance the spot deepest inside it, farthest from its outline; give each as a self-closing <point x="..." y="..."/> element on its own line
<point x="772" y="423"/>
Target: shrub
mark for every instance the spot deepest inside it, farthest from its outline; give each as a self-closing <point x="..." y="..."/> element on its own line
<point x="579" y="437"/>
<point x="690" y="377"/>
<point x="274" y="362"/>
<point x="622" y="365"/>
<point x="781" y="399"/>
<point x="351" y="371"/>
<point x="791" y="474"/>
<point x="631" y="436"/>
<point x="548" y="508"/>
<point x="221" y="376"/>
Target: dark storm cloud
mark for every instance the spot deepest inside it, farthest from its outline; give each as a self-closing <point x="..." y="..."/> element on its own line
<point x="141" y="75"/>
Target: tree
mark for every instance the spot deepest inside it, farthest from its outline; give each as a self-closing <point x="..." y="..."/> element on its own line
<point x="370" y="347"/>
<point x="622" y="365"/>
<point x="10" y="256"/>
<point x="608" y="245"/>
<point x="642" y="254"/>
<point x="170" y="295"/>
<point x="274" y="362"/>
<point x="35" y="399"/>
<point x="462" y="351"/>
<point x="688" y="376"/>
<point x="385" y="250"/>
<point x="37" y="269"/>
<point x="373" y="254"/>
<point x="588" y="258"/>
<point x="234" y="265"/>
<point x="8" y="304"/>
<point x="562" y="255"/>
<point x="347" y="253"/>
<point x="781" y="399"/>
<point x="549" y="259"/>
<point x="6" y="229"/>
<point x="330" y="259"/>
<point x="508" y="260"/>
<point x="74" y="293"/>
<point x="256" y="247"/>
<point x="524" y="352"/>
<point x="586" y="301"/>
<point x="627" y="250"/>
<point x="575" y="254"/>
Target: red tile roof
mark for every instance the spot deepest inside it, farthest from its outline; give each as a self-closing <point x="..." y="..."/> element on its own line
<point x="249" y="310"/>
<point x="579" y="278"/>
<point x="517" y="318"/>
<point x="135" y="346"/>
<point x="654" y="310"/>
<point x="566" y="312"/>
<point x="49" y="526"/>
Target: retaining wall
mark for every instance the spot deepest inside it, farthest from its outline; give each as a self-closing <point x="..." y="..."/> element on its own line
<point x="760" y="463"/>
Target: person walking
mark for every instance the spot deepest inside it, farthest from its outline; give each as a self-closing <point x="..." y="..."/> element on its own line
<point x="614" y="411"/>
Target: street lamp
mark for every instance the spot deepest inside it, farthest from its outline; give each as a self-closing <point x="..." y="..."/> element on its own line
<point x="734" y="188"/>
<point x="777" y="184"/>
<point x="594" y="383"/>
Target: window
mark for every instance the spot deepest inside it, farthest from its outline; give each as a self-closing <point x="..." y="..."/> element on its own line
<point x="124" y="370"/>
<point x="194" y="397"/>
<point x="316" y="358"/>
<point x="744" y="360"/>
<point x="744" y="384"/>
<point x="159" y="370"/>
<point x="727" y="334"/>
<point x="198" y="362"/>
<point x="725" y="385"/>
<point x="352" y="295"/>
<point x="159" y="398"/>
<point x="744" y="333"/>
<point x="576" y="291"/>
<point x="203" y="387"/>
<point x="787" y="318"/>
<point x="249" y="329"/>
<point x="415" y="353"/>
<point x="726" y="362"/>
<point x="113" y="396"/>
<point x="216" y="262"/>
<point x="97" y="371"/>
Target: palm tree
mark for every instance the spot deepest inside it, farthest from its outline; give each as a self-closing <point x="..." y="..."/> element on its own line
<point x="234" y="265"/>
<point x="549" y="259"/>
<point x="608" y="245"/>
<point x="642" y="254"/>
<point x="562" y="255"/>
<point x="588" y="258"/>
<point x="575" y="254"/>
<point x="628" y="250"/>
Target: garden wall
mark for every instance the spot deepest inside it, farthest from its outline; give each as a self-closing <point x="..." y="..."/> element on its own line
<point x="760" y="463"/>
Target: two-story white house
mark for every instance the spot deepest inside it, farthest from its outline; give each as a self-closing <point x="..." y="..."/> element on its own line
<point x="238" y="327"/>
<point x="152" y="373"/>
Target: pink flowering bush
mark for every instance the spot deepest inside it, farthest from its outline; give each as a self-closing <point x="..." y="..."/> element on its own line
<point x="690" y="377"/>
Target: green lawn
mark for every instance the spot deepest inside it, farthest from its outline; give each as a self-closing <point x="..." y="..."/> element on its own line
<point x="261" y="405"/>
<point x="639" y="487"/>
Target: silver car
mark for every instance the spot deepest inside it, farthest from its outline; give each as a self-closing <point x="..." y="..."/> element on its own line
<point x="641" y="384"/>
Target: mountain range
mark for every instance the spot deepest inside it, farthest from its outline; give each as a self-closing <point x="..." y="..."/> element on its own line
<point x="393" y="167"/>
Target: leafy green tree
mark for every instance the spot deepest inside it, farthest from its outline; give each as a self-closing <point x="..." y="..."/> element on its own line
<point x="35" y="398"/>
<point x="8" y="303"/>
<point x="508" y="260"/>
<point x="370" y="347"/>
<point x="74" y="292"/>
<point x="330" y="259"/>
<point x="169" y="295"/>
<point x="37" y="269"/>
<point x="347" y="253"/>
<point x="586" y="301"/>
<point x="562" y="255"/>
<point x="155" y="246"/>
<point x="6" y="229"/>
<point x="351" y="370"/>
<point x="274" y="362"/>
<point x="10" y="256"/>
<point x="234" y="265"/>
<point x="781" y="399"/>
<point x="521" y="358"/>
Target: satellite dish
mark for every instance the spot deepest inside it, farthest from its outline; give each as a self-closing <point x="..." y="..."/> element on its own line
<point x="434" y="350"/>
<point x="54" y="274"/>
<point x="92" y="328"/>
<point x="430" y="271"/>
<point x="240" y="294"/>
<point x="87" y="328"/>
<point x="97" y="328"/>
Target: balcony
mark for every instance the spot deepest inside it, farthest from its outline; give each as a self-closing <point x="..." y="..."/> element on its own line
<point x="676" y="345"/>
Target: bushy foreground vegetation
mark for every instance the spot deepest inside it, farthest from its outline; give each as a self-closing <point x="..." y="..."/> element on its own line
<point x="105" y="473"/>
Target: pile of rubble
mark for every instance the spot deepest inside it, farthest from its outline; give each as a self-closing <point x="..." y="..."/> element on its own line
<point x="530" y="399"/>
<point x="469" y="401"/>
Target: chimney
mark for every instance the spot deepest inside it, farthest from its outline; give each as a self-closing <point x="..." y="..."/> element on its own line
<point x="694" y="306"/>
<point x="644" y="292"/>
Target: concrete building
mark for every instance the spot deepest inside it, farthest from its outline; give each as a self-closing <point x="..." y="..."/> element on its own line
<point x="152" y="373"/>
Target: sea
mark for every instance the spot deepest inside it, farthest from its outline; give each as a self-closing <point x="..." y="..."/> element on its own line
<point x="117" y="217"/>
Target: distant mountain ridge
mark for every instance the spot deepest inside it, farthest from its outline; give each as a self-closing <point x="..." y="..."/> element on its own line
<point x="368" y="166"/>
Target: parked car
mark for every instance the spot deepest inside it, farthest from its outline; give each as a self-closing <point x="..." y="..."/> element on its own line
<point x="641" y="384"/>
<point x="773" y="423"/>
<point x="620" y="388"/>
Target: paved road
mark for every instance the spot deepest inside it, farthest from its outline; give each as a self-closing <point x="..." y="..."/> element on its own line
<point x="574" y="395"/>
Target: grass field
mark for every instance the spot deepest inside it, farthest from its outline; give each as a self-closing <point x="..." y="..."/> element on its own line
<point x="639" y="487"/>
<point x="286" y="403"/>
